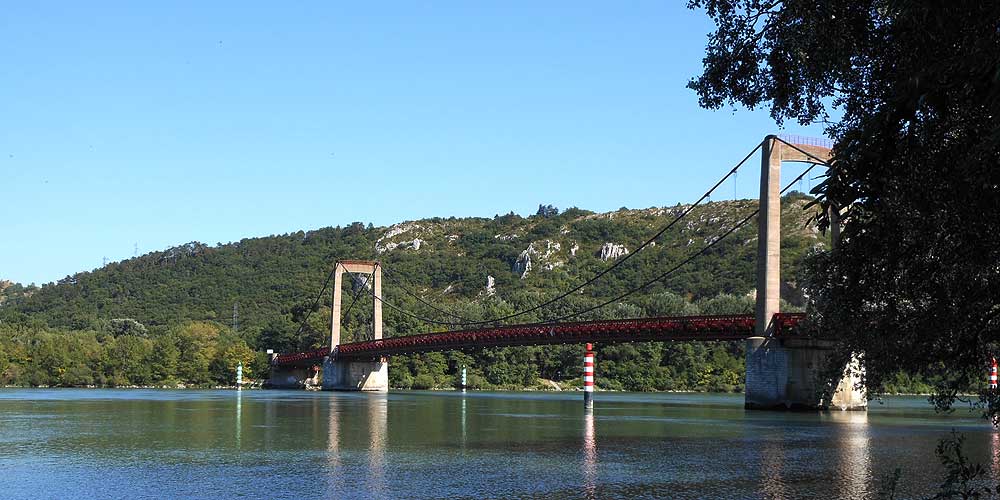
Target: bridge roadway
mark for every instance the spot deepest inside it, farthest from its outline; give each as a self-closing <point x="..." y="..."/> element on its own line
<point x="698" y="328"/>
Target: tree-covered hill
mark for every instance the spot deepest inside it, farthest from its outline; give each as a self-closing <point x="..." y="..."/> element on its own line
<point x="474" y="268"/>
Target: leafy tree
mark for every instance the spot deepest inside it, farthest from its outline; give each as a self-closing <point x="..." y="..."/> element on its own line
<point x="128" y="360"/>
<point x="547" y="211"/>
<point x="198" y="343"/>
<point x="164" y="358"/>
<point x="228" y="358"/>
<point x="914" y="284"/>
<point x="126" y="326"/>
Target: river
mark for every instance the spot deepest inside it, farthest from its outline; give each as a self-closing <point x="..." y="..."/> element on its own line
<point x="86" y="443"/>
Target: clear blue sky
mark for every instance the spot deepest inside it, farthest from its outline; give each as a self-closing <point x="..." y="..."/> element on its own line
<point x="130" y="123"/>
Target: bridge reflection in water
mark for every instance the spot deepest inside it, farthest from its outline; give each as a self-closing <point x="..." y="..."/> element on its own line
<point x="377" y="427"/>
<point x="848" y="444"/>
<point x="346" y="449"/>
<point x="655" y="444"/>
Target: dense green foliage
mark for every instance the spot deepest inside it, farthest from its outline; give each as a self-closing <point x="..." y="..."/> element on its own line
<point x="198" y="353"/>
<point x="915" y="284"/>
<point x="166" y="317"/>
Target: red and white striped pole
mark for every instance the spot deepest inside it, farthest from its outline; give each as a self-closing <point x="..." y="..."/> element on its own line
<point x="588" y="377"/>
<point x="993" y="374"/>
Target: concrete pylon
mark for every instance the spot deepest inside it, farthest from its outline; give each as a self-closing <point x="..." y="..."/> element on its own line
<point x="786" y="374"/>
<point x="769" y="237"/>
<point x="355" y="375"/>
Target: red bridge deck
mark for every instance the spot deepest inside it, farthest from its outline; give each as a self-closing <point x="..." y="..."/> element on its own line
<point x="702" y="328"/>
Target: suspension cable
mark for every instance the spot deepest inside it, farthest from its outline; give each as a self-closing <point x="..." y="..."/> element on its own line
<point x="407" y="291"/>
<point x="413" y="315"/>
<point x="316" y="302"/>
<point x="683" y="262"/>
<point x="618" y="262"/>
<point x="645" y="285"/>
<point x="357" y="294"/>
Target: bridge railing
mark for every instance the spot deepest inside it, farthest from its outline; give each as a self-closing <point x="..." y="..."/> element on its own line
<point x="297" y="357"/>
<point x="705" y="328"/>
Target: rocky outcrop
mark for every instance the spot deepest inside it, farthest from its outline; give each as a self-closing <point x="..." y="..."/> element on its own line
<point x="403" y="245"/>
<point x="490" y="286"/>
<point x="399" y="229"/>
<point x="524" y="263"/>
<point x="384" y="245"/>
<point x="613" y="251"/>
<point x="522" y="266"/>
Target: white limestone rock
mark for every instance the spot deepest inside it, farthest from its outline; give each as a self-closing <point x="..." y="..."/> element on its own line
<point x="532" y="257"/>
<point x="403" y="245"/>
<point x="384" y="245"/>
<point x="522" y="266"/>
<point x="613" y="251"/>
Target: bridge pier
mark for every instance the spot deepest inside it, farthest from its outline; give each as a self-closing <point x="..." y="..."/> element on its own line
<point x="788" y="374"/>
<point x="355" y="375"/>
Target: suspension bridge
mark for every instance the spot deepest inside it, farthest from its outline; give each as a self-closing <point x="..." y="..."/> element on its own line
<point x="783" y="363"/>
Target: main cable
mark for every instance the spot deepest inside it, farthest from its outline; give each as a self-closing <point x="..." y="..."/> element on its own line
<point x="401" y="286"/>
<point x="682" y="263"/>
<point x="316" y="302"/>
<point x="617" y="263"/>
<point x="620" y="261"/>
<point x="660" y="277"/>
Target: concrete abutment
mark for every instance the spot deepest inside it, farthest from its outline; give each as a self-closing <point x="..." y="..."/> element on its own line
<point x="292" y="377"/>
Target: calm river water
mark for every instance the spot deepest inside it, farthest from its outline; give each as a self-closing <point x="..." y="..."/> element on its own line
<point x="67" y="443"/>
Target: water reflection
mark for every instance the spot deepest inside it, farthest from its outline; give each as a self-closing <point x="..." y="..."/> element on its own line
<point x="333" y="435"/>
<point x="589" y="455"/>
<point x="995" y="453"/>
<point x="853" y="442"/>
<point x="239" y="419"/>
<point x="377" y="423"/>
<point x="772" y="468"/>
<point x="463" y="419"/>
<point x="518" y="445"/>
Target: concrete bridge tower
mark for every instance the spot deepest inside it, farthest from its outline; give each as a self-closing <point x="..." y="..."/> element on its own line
<point x="355" y="374"/>
<point x="787" y="373"/>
